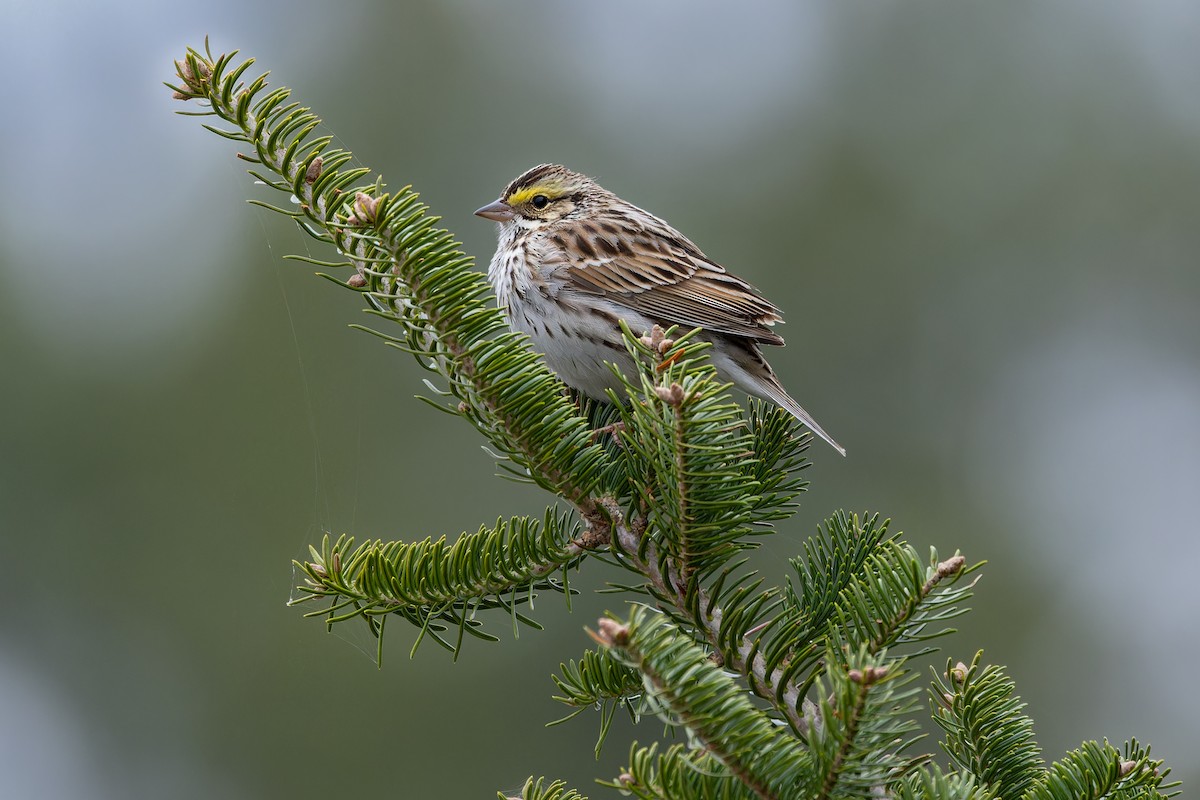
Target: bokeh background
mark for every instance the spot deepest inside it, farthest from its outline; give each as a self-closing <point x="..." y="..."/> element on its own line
<point x="981" y="220"/>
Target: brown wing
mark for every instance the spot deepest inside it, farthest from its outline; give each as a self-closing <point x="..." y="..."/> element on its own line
<point x="655" y="270"/>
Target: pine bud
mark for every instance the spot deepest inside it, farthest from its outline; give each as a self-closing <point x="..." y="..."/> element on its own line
<point x="365" y="207"/>
<point x="653" y="338"/>
<point x="611" y="633"/>
<point x="672" y="395"/>
<point x="951" y="566"/>
<point x="868" y="675"/>
<point x="314" y="170"/>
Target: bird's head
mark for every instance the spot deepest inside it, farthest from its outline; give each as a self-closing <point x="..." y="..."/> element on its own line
<point x="547" y="193"/>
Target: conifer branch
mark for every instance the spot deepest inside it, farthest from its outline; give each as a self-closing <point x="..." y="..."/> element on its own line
<point x="693" y="692"/>
<point x="599" y="681"/>
<point x="700" y="611"/>
<point x="410" y="272"/>
<point x="688" y="446"/>
<point x="676" y="773"/>
<point x="986" y="733"/>
<point x="1098" y="771"/>
<point x="540" y="790"/>
<point x="863" y="723"/>
<point x="595" y="679"/>
<point x="989" y="738"/>
<point x="929" y="782"/>
<point x="436" y="583"/>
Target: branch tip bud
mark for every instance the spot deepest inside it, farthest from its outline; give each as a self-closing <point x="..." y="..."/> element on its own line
<point x="356" y="281"/>
<point x="951" y="566"/>
<point x="314" y="170"/>
<point x="958" y="674"/>
<point x="867" y="675"/>
<point x="194" y="72"/>
<point x="611" y="633"/>
<point x="365" y="206"/>
<point x="656" y="339"/>
<point x="672" y="395"/>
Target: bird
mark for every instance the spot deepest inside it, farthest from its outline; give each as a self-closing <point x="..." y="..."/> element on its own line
<point x="573" y="260"/>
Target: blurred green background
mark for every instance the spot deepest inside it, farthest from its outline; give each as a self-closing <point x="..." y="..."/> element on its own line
<point x="981" y="220"/>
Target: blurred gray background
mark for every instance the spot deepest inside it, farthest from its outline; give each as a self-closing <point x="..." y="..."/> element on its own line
<point x="981" y="220"/>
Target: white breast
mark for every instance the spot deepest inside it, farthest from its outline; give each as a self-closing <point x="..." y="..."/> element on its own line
<point x="577" y="333"/>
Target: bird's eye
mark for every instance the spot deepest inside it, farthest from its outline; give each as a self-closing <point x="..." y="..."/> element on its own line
<point x="539" y="201"/>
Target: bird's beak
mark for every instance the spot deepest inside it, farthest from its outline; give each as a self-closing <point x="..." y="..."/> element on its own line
<point x="499" y="211"/>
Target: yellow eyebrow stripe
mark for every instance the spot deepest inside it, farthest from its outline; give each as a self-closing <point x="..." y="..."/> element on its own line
<point x="520" y="196"/>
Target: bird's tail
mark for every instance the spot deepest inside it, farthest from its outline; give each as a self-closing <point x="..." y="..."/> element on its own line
<point x="774" y="391"/>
